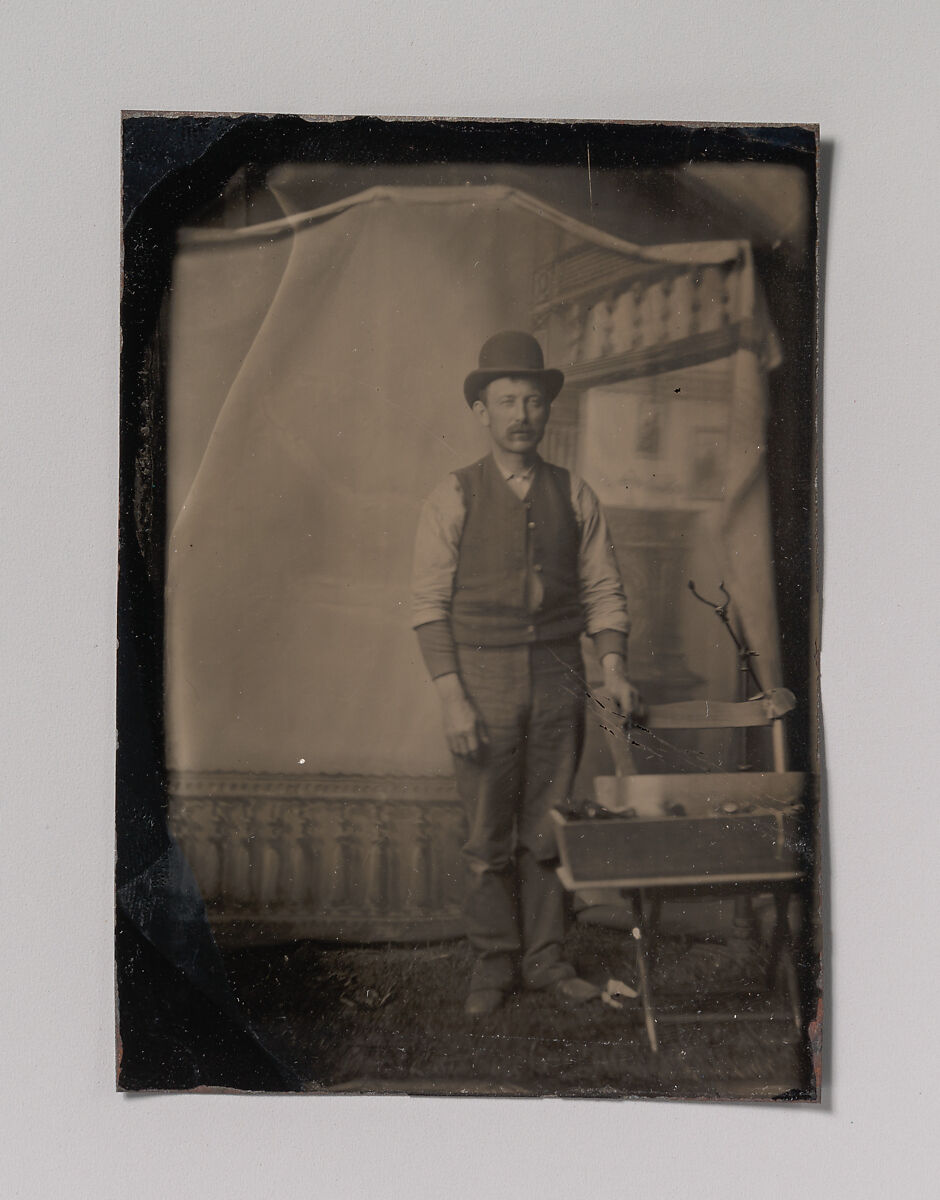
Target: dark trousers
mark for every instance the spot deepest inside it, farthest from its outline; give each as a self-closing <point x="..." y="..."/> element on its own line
<point x="531" y="699"/>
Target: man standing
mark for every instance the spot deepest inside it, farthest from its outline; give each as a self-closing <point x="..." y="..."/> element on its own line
<point x="513" y="562"/>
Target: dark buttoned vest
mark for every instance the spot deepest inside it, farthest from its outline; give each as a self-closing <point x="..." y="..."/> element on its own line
<point x="503" y="539"/>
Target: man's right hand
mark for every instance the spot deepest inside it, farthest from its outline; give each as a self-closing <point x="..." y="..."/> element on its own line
<point x="464" y="729"/>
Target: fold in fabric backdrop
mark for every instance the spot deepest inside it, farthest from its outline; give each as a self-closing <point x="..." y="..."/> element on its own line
<point x="315" y="398"/>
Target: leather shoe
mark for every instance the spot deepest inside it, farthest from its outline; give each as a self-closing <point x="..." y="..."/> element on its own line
<point x="483" y="1002"/>
<point x="572" y="992"/>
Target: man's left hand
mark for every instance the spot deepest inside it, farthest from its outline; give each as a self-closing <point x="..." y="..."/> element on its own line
<point x="618" y="692"/>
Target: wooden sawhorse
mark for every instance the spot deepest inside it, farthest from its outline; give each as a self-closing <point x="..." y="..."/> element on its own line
<point x="646" y="897"/>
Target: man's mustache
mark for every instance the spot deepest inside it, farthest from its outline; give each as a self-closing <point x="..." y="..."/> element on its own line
<point x="520" y="429"/>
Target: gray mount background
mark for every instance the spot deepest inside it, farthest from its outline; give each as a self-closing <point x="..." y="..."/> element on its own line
<point x="866" y="74"/>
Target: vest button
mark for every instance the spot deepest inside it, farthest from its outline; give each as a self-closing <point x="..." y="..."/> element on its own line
<point x="530" y="629"/>
<point x="531" y="525"/>
<point x="537" y="567"/>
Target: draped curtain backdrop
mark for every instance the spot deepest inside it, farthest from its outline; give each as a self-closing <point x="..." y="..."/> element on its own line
<point x="315" y="398"/>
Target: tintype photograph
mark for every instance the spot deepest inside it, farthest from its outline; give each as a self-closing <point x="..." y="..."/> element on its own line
<point x="468" y="700"/>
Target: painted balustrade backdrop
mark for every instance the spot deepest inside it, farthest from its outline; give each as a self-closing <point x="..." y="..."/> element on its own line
<point x="604" y="318"/>
<point x="279" y="857"/>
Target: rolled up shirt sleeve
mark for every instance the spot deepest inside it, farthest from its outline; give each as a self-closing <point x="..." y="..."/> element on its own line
<point x="602" y="595"/>
<point x="437" y="540"/>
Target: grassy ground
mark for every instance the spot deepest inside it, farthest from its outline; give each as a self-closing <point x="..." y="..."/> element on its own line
<point x="391" y="1019"/>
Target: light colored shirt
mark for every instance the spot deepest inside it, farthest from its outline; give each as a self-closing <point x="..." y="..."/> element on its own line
<point x="437" y="543"/>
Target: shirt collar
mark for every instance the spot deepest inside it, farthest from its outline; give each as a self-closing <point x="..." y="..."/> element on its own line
<point x="525" y="475"/>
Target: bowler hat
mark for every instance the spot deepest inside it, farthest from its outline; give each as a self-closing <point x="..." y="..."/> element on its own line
<point x="511" y="354"/>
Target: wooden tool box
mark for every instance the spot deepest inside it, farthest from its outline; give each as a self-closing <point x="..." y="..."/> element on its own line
<point x="682" y="826"/>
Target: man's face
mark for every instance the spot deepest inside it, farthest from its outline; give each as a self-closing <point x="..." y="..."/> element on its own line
<point x="515" y="412"/>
